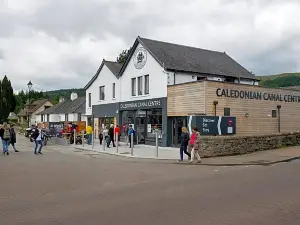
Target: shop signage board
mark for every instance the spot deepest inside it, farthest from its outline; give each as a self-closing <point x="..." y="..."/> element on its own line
<point x="56" y="128"/>
<point x="213" y="125"/>
<point x="141" y="104"/>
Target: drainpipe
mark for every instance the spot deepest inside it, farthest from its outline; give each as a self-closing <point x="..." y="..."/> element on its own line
<point x="278" y="108"/>
<point x="215" y="107"/>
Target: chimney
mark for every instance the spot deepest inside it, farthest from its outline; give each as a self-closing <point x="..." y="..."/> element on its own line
<point x="74" y="96"/>
<point x="61" y="99"/>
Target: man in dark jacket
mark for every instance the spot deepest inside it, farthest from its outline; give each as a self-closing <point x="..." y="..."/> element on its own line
<point x="13" y="138"/>
<point x="184" y="141"/>
<point x="111" y="134"/>
<point x="38" y="139"/>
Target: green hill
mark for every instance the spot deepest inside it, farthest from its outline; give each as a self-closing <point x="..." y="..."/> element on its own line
<point x="280" y="80"/>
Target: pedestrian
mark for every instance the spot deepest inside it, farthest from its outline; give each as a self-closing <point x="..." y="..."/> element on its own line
<point x="100" y="135"/>
<point x="5" y="137"/>
<point x="105" y="134"/>
<point x="38" y="139"/>
<point x="111" y="136"/>
<point x="13" y="138"/>
<point x="89" y="132"/>
<point x="194" y="144"/>
<point x="130" y="131"/>
<point x="118" y="130"/>
<point x="184" y="141"/>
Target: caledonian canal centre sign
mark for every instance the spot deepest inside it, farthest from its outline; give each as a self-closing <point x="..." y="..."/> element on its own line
<point x="242" y="94"/>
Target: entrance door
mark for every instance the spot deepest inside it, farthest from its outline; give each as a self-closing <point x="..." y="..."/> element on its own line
<point x="141" y="129"/>
<point x="177" y="124"/>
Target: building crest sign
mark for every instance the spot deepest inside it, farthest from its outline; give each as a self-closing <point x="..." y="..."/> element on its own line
<point x="140" y="58"/>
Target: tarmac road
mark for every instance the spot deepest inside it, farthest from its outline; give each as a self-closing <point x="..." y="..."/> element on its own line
<point x="75" y="188"/>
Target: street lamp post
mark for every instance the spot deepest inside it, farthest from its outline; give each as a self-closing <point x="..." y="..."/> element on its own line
<point x="29" y="85"/>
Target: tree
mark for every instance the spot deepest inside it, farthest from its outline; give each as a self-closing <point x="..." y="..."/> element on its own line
<point x="123" y="56"/>
<point x="8" y="102"/>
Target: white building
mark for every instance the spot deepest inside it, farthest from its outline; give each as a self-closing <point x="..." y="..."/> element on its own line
<point x="141" y="99"/>
<point x="70" y="110"/>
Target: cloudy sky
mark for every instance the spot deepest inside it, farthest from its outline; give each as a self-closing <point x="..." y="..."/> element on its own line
<point x="60" y="43"/>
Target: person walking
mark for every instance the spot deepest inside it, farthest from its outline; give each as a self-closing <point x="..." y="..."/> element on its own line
<point x="13" y="138"/>
<point x="118" y="130"/>
<point x="89" y="132"/>
<point x="5" y="137"/>
<point x="105" y="134"/>
<point x="130" y="131"/>
<point x="111" y="136"/>
<point x="38" y="139"/>
<point x="100" y="135"/>
<point x="184" y="141"/>
<point x="194" y="144"/>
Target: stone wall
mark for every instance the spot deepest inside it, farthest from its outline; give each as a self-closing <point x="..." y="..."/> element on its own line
<point x="235" y="145"/>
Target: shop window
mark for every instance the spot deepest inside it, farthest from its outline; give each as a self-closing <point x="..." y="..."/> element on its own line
<point x="140" y="85"/>
<point x="154" y="122"/>
<point x="226" y="111"/>
<point x="146" y="84"/>
<point x="114" y="91"/>
<point x="102" y="93"/>
<point x="133" y="86"/>
<point x="274" y="113"/>
<point x="79" y="117"/>
<point x="66" y="117"/>
<point x="48" y="119"/>
<point x="42" y="118"/>
<point x="90" y="100"/>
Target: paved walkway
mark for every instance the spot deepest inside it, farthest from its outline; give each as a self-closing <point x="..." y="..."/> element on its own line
<point x="149" y="152"/>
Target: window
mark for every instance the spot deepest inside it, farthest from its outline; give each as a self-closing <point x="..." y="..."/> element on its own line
<point x="79" y="117"/>
<point x="146" y="84"/>
<point x="48" y="116"/>
<point x="140" y="85"/>
<point x="101" y="93"/>
<point x="114" y="91"/>
<point x="66" y="117"/>
<point x="274" y="113"/>
<point x="133" y="86"/>
<point x="154" y="122"/>
<point x="42" y="118"/>
<point x="226" y="111"/>
<point x="90" y="100"/>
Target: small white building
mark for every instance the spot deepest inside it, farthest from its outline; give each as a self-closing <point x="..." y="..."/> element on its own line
<point x="70" y="110"/>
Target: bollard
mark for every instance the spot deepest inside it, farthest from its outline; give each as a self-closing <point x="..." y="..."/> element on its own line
<point x="137" y="139"/>
<point x="74" y="138"/>
<point x="156" y="144"/>
<point x="104" y="142"/>
<point x="127" y="139"/>
<point x="131" y="143"/>
<point x="93" y="141"/>
<point x="82" y="140"/>
<point x="117" y="141"/>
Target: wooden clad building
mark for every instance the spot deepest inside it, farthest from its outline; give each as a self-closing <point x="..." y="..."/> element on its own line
<point x="257" y="110"/>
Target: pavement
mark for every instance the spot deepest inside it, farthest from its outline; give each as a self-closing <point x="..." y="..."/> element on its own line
<point x="172" y="154"/>
<point x="67" y="186"/>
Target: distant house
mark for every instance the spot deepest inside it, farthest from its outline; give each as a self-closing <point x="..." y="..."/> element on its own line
<point x="13" y="116"/>
<point x="30" y="112"/>
<point x="70" y="110"/>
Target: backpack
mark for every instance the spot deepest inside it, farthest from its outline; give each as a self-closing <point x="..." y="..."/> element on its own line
<point x="6" y="134"/>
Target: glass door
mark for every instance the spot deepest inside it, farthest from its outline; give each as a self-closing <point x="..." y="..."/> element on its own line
<point x="177" y="124"/>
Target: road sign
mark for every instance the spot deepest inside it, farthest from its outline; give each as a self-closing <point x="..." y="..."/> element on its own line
<point x="213" y="125"/>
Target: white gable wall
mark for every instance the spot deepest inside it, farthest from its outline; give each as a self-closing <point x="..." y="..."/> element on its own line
<point x="106" y="78"/>
<point x="158" y="80"/>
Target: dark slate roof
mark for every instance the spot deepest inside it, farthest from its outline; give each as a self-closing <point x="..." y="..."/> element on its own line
<point x="52" y="109"/>
<point x="174" y="57"/>
<point x="65" y="107"/>
<point x="114" y="67"/>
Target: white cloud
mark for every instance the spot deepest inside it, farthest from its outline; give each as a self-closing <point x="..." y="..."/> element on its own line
<point x="60" y="43"/>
